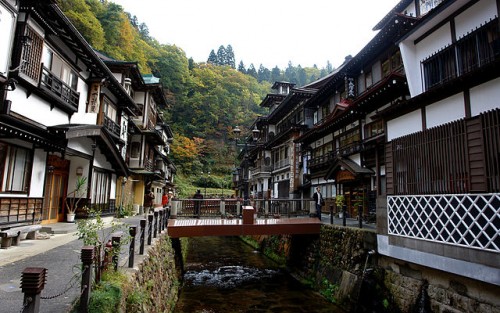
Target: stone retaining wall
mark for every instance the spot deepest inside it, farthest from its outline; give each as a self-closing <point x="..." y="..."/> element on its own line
<point x="155" y="281"/>
<point x="334" y="264"/>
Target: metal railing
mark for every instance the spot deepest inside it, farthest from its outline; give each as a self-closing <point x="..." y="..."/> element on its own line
<point x="233" y="207"/>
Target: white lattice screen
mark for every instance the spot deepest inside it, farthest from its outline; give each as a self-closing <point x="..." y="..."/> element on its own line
<point x="468" y="220"/>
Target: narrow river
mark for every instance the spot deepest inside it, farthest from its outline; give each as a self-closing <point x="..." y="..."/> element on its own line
<point x="223" y="274"/>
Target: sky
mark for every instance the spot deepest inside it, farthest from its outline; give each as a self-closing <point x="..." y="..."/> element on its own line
<point x="267" y="32"/>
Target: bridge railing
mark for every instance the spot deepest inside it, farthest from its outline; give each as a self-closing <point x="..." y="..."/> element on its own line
<point x="232" y="207"/>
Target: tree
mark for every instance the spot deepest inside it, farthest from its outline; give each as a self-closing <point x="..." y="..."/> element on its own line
<point x="80" y="14"/>
<point x="263" y="74"/>
<point x="221" y="56"/>
<point x="230" y="60"/>
<point x="212" y="58"/>
<point x="275" y="74"/>
<point x="251" y="71"/>
<point x="241" y="68"/>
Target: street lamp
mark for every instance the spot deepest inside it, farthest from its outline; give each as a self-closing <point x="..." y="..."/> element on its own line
<point x="205" y="182"/>
<point x="245" y="145"/>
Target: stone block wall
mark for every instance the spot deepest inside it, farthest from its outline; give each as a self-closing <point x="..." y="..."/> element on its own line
<point x="156" y="282"/>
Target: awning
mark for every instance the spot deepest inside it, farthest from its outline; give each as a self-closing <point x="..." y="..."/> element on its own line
<point x="105" y="143"/>
<point x="14" y="128"/>
<point x="345" y="170"/>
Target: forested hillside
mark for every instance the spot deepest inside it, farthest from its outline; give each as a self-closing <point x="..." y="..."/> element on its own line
<point x="205" y="99"/>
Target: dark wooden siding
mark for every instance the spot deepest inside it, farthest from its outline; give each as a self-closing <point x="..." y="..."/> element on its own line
<point x="458" y="157"/>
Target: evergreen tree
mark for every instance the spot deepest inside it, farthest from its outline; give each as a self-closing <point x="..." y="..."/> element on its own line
<point x="301" y="76"/>
<point x="329" y="67"/>
<point x="231" y="61"/>
<point x="263" y="74"/>
<point x="241" y="68"/>
<point x="291" y="74"/>
<point x="221" y="56"/>
<point x="251" y="71"/>
<point x="212" y="58"/>
<point x="276" y="74"/>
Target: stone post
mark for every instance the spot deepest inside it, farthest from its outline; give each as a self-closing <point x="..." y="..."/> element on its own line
<point x="132" y="230"/>
<point x="143" y="234"/>
<point x="150" y="228"/>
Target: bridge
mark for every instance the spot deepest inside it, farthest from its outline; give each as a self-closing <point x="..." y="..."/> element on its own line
<point x="214" y="220"/>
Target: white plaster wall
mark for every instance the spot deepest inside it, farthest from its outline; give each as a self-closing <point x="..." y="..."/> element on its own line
<point x="414" y="54"/>
<point x="485" y="97"/>
<point x="404" y="125"/>
<point x="356" y="158"/>
<point x="35" y="108"/>
<point x="112" y="190"/>
<point x="100" y="160"/>
<point x="83" y="145"/>
<point x="82" y="117"/>
<point x="412" y="67"/>
<point x="481" y="12"/>
<point x="38" y="173"/>
<point x="446" y="110"/>
<point x="7" y="23"/>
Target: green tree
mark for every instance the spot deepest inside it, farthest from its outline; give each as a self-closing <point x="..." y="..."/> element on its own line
<point x="80" y="14"/>
<point x="230" y="60"/>
<point x="212" y="58"/>
<point x="241" y="68"/>
<point x="276" y="74"/>
<point x="221" y="56"/>
<point x="263" y="74"/>
<point x="251" y="71"/>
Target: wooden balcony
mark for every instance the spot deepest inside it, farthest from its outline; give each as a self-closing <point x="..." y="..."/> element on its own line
<point x="65" y="97"/>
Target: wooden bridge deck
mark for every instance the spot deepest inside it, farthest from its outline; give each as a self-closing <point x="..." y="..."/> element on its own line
<point x="236" y="227"/>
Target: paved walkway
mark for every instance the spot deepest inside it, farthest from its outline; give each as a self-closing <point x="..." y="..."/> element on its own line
<point x="61" y="256"/>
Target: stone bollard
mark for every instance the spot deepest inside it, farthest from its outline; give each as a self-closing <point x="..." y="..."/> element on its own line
<point x="32" y="284"/>
<point x="115" y="241"/>
<point x="344" y="209"/>
<point x="143" y="234"/>
<point x="160" y="221"/>
<point x="87" y="257"/>
<point x="132" y="230"/>
<point x="150" y="228"/>
<point x="360" y="215"/>
<point x="155" y="214"/>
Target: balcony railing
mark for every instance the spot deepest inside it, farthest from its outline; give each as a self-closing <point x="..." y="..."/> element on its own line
<point x="112" y="126"/>
<point x="281" y="164"/>
<point x="332" y="155"/>
<point x="59" y="89"/>
<point x="473" y="51"/>
<point x="260" y="170"/>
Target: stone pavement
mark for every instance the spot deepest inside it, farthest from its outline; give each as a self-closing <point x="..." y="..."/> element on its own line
<point x="60" y="255"/>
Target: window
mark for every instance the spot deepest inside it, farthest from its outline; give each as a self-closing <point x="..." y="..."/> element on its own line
<point x="100" y="189"/>
<point x="374" y="129"/>
<point x="368" y="80"/>
<point x="109" y="110"/>
<point x="15" y="168"/>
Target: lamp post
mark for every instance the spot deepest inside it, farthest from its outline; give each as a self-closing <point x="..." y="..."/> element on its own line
<point x="205" y="182"/>
<point x="245" y="145"/>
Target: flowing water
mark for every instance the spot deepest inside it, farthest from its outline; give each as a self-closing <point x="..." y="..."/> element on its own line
<point x="223" y="274"/>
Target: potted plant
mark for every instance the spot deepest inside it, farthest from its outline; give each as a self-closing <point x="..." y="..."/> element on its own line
<point x="339" y="202"/>
<point x="74" y="197"/>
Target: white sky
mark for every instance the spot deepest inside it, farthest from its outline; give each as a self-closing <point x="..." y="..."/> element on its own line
<point x="264" y="31"/>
